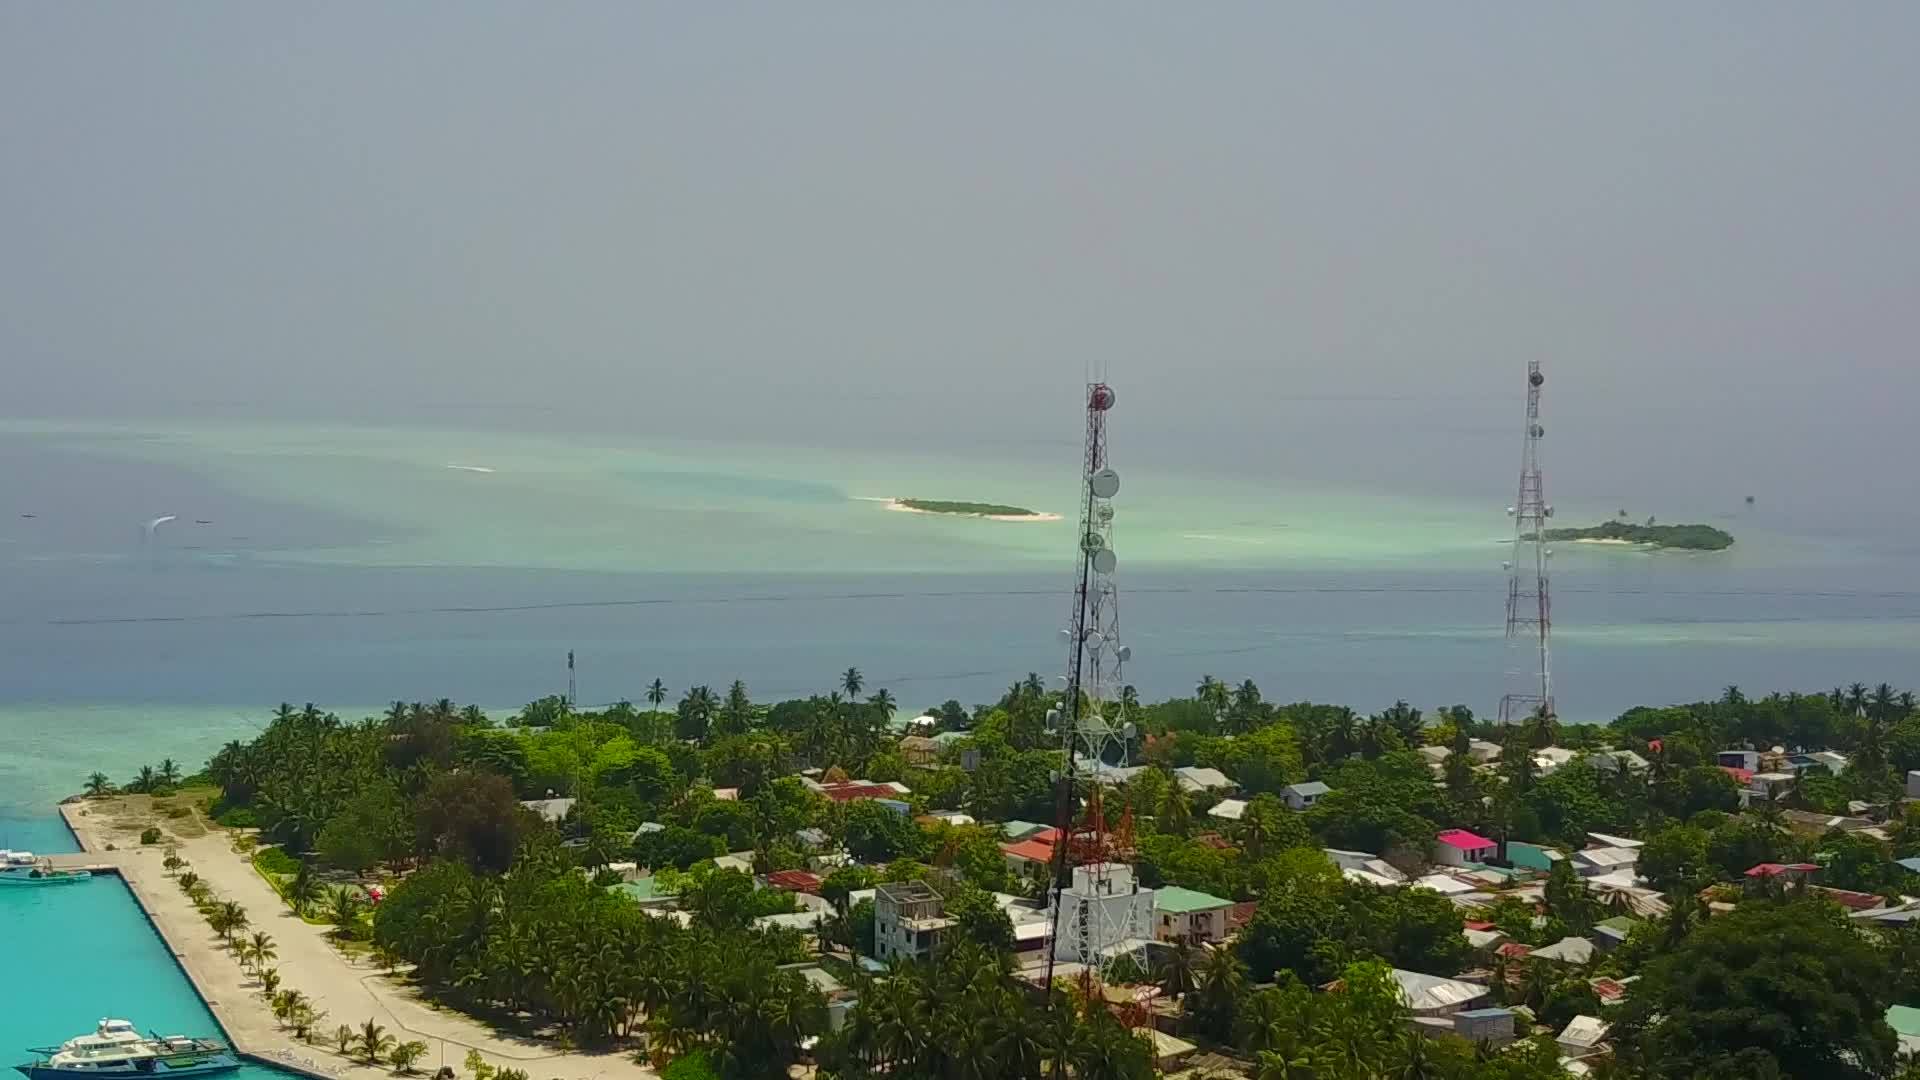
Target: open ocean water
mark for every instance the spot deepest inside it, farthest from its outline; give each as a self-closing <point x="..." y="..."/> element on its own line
<point x="350" y="567"/>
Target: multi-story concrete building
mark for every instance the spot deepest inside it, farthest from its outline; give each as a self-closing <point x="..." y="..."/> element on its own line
<point x="908" y="920"/>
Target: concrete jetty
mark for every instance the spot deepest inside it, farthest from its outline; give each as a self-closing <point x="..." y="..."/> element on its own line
<point x="349" y="992"/>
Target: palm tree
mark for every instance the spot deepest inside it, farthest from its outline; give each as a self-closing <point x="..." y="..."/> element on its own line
<point x="851" y="681"/>
<point x="260" y="948"/>
<point x="285" y="1002"/>
<point x="656" y="693"/>
<point x="1180" y="971"/>
<point x="343" y="1038"/>
<point x="374" y="1041"/>
<point x="404" y="1055"/>
<point x="98" y="784"/>
<point x="169" y="772"/>
<point x="233" y="919"/>
<point x="173" y="861"/>
<point x="144" y="782"/>
<point x="269" y="982"/>
<point x="882" y="702"/>
<point x="302" y="891"/>
<point x="343" y="911"/>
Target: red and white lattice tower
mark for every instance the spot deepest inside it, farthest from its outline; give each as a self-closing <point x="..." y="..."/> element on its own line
<point x="1100" y="914"/>
<point x="1529" y="600"/>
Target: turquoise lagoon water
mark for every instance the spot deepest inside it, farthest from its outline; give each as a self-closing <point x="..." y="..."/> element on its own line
<point x="77" y="953"/>
<point x="352" y="566"/>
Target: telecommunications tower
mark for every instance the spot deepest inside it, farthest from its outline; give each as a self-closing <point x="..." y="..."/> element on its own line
<point x="1529" y="603"/>
<point x="1100" y="913"/>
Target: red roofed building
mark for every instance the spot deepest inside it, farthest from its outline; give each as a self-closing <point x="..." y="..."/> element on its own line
<point x="1458" y="847"/>
<point x="1513" y="950"/>
<point x="1774" y="869"/>
<point x="1743" y="777"/>
<point x="1608" y="991"/>
<point x="794" y="881"/>
<point x="1024" y="855"/>
<point x="1847" y="898"/>
<point x="850" y="791"/>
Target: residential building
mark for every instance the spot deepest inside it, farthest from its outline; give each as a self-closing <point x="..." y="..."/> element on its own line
<point x="1228" y="809"/>
<point x="920" y="750"/>
<point x="1484" y="752"/>
<point x="908" y="920"/>
<point x="1458" y="847"/>
<point x="1361" y="866"/>
<point x="1568" y="950"/>
<point x="1197" y="778"/>
<point x="1431" y="995"/>
<point x="1613" y="760"/>
<point x="1604" y="860"/>
<point x="1189" y="917"/>
<point x="554" y="810"/>
<point x="1036" y="851"/>
<point x="1493" y="1027"/>
<point x="1020" y="830"/>
<point x="1582" y="1037"/>
<point x="1905" y="1022"/>
<point x="795" y="881"/>
<point x="1532" y="856"/>
<point x="1788" y="875"/>
<point x="1739" y="759"/>
<point x="1303" y="796"/>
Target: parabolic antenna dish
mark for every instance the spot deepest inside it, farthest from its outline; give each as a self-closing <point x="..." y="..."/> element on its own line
<point x="1104" y="561"/>
<point x="1124" y="652"/>
<point x="1105" y="484"/>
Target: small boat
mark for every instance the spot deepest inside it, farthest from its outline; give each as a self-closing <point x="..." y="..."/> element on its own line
<point x="116" y="1049"/>
<point x="22" y="868"/>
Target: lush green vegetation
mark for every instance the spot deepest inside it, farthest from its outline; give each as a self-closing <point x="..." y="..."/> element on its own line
<point x="504" y="914"/>
<point x="942" y="506"/>
<point x="1683" y="537"/>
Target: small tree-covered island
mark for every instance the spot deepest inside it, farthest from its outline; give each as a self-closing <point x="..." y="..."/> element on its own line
<point x="736" y="890"/>
<point x="966" y="509"/>
<point x="1677" y="537"/>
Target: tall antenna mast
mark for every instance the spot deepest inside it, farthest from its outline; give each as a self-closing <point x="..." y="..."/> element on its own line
<point x="1529" y="603"/>
<point x="1094" y="890"/>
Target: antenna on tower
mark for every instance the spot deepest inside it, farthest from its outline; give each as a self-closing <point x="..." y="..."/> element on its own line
<point x="1094" y="890"/>
<point x="1529" y="602"/>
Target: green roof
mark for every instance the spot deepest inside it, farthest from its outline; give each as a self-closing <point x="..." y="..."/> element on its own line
<point x="1186" y="901"/>
<point x="639" y="890"/>
<point x="1904" y="1020"/>
<point x="1020" y="830"/>
<point x="1622" y="923"/>
<point x="1530" y="856"/>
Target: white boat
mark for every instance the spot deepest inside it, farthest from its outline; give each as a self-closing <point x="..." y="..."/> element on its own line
<point x="115" y="1048"/>
<point x="23" y="868"/>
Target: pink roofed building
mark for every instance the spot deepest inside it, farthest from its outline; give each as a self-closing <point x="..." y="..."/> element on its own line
<point x="1458" y="847"/>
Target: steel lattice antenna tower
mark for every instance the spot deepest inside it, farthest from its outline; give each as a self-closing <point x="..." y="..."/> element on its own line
<point x="1093" y="887"/>
<point x="1529" y="601"/>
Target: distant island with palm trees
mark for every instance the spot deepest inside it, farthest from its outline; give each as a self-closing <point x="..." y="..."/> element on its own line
<point x="1682" y="537"/>
<point x="990" y="511"/>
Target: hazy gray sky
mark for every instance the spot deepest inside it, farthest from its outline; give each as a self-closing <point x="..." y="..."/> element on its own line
<point x="1705" y="218"/>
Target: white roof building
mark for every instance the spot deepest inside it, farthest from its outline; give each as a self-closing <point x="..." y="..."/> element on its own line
<point x="1582" y="1036"/>
<point x="1228" y="809"/>
<point x="1606" y="840"/>
<point x="1431" y="995"/>
<point x="1199" y="778"/>
<point x="552" y="809"/>
<point x="1568" y="950"/>
<point x="1604" y="860"/>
